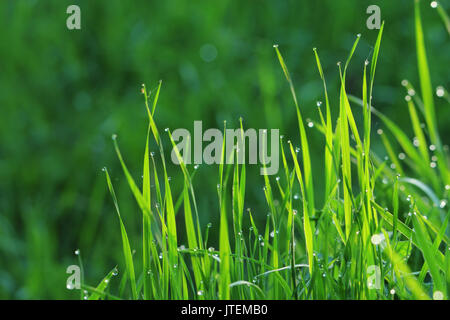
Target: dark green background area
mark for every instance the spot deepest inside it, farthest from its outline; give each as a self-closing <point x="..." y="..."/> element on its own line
<point x="63" y="93"/>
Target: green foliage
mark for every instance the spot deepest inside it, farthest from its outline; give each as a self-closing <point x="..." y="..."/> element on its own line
<point x="339" y="241"/>
<point x="338" y="207"/>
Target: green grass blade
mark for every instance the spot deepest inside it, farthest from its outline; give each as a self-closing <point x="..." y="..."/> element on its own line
<point x="125" y="242"/>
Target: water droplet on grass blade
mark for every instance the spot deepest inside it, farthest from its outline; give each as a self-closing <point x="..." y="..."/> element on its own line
<point x="438" y="295"/>
<point x="440" y="91"/>
<point x="376" y="239"/>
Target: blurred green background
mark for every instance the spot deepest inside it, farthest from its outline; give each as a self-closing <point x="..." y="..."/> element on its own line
<point x="63" y="93"/>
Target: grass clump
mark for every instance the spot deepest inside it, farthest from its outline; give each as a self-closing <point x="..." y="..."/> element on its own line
<point x="380" y="233"/>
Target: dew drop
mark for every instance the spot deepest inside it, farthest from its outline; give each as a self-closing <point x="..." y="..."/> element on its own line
<point x="376" y="239"/>
<point x="440" y="91"/>
<point x="438" y="295"/>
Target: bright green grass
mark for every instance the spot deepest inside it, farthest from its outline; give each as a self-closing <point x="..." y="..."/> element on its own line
<point x="373" y="214"/>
